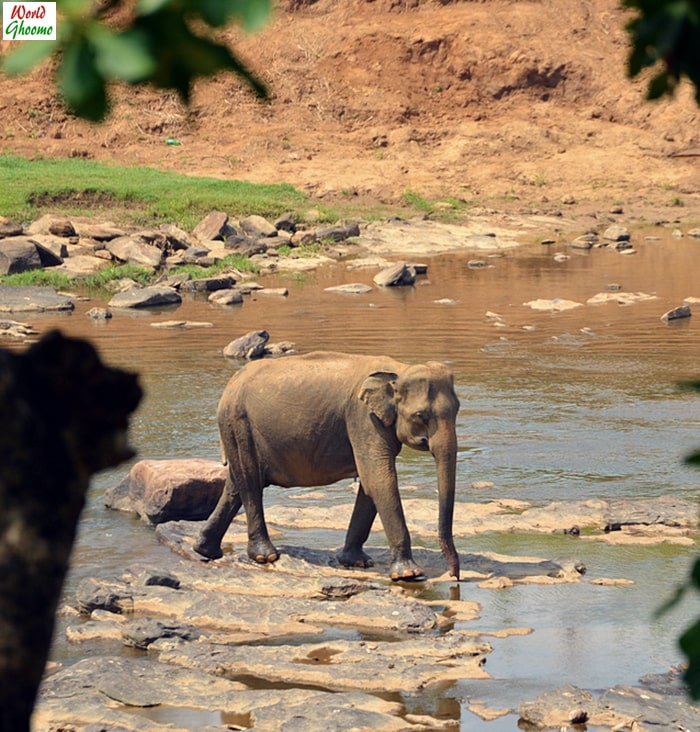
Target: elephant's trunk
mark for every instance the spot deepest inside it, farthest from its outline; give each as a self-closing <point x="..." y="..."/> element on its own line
<point x="443" y="447"/>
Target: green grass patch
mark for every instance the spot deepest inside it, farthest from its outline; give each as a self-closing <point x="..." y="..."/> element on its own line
<point x="233" y="261"/>
<point x="38" y="278"/>
<point x="143" y="196"/>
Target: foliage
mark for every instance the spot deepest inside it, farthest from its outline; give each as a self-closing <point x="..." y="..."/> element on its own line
<point x="143" y="196"/>
<point x="665" y="37"/>
<point x="167" y="43"/>
<point x="689" y="641"/>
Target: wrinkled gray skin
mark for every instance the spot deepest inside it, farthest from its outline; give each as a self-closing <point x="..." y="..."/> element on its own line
<point x="315" y="419"/>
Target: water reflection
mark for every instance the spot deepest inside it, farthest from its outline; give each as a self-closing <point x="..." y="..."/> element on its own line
<point x="580" y="404"/>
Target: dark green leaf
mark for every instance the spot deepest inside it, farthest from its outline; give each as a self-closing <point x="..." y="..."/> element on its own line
<point x="123" y="56"/>
<point x="82" y="86"/>
<point x="27" y="55"/>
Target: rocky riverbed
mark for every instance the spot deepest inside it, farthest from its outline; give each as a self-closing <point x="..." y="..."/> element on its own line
<point x="306" y="644"/>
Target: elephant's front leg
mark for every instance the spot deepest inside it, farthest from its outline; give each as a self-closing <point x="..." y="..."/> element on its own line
<point x="381" y="486"/>
<point x="363" y="516"/>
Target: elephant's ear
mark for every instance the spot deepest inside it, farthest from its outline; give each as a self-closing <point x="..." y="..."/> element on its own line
<point x="377" y="392"/>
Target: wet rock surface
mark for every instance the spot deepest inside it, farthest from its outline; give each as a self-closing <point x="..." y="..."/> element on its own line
<point x="307" y="642"/>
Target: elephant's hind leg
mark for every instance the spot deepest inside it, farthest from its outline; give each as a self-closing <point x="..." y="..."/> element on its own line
<point x="208" y="544"/>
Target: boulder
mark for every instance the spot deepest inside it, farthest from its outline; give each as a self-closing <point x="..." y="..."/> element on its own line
<point x="18" y="254"/>
<point x="286" y="222"/>
<point x="339" y="232"/>
<point x="250" y="346"/>
<point x="586" y="241"/>
<point x="9" y="228"/>
<point x="209" y="284"/>
<point x="257" y="227"/>
<point x="245" y="245"/>
<point x="101" y="232"/>
<point x="229" y="296"/>
<point x="61" y="226"/>
<point x="134" y="251"/>
<point x="169" y="490"/>
<point x="145" y="297"/>
<point x="395" y="276"/>
<point x="177" y="238"/>
<point x="32" y="298"/>
<point x="682" y="311"/>
<point x="83" y="265"/>
<point x="214" y="225"/>
<point x="616" y="232"/>
<point x="15" y="329"/>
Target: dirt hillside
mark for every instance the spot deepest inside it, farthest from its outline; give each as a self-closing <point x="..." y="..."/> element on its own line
<point x="514" y="105"/>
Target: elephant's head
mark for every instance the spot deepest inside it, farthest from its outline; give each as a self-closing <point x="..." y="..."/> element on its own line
<point x="421" y="406"/>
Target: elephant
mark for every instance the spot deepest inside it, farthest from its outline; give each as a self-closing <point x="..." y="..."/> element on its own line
<point x="314" y="419"/>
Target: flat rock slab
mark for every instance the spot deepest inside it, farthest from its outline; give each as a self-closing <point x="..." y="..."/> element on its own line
<point x="621" y="707"/>
<point x="32" y="299"/>
<point x="107" y="691"/>
<point x="662" y="519"/>
<point x="422" y="236"/>
<point x="341" y="665"/>
<point x="146" y="297"/>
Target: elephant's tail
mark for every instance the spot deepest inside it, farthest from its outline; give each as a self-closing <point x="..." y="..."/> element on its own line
<point x="224" y="459"/>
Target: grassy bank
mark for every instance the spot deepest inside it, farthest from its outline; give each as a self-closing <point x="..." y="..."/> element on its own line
<point x="143" y="196"/>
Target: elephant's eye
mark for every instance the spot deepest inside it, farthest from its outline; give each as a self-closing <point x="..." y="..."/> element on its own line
<point x="423" y="417"/>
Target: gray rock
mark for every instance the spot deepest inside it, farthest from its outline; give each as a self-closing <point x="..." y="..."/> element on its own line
<point x="15" y="329"/>
<point x="141" y="576"/>
<point x="31" y="298"/>
<point x="257" y="227"/>
<point x="661" y="511"/>
<point x="61" y="226"/>
<point x="286" y="222"/>
<point x="194" y="254"/>
<point x="247" y="246"/>
<point x="213" y="226"/>
<point x="395" y="276"/>
<point x="477" y="264"/>
<point x="339" y="232"/>
<point x="169" y="490"/>
<point x="249" y="346"/>
<point x="282" y="348"/>
<point x="9" y="228"/>
<point x="616" y="232"/>
<point x="586" y="241"/>
<point x="558" y="707"/>
<point x="134" y="251"/>
<point x="695" y="233"/>
<point x="100" y="232"/>
<point x="99" y="314"/>
<point x="209" y="284"/>
<point x="351" y="288"/>
<point x="18" y="254"/>
<point x="93" y="594"/>
<point x="142" y="632"/>
<point x="229" y="296"/>
<point x="146" y="297"/>
<point x="682" y="311"/>
<point x="177" y="238"/>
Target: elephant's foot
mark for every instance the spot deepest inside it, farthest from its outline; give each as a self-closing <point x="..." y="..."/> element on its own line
<point x="263" y="552"/>
<point x="354" y="558"/>
<point x="406" y="570"/>
<point x="208" y="549"/>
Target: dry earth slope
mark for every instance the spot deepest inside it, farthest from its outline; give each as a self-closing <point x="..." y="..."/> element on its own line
<point x="511" y="104"/>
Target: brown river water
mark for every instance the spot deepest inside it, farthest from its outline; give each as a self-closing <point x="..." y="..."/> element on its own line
<point x="555" y="406"/>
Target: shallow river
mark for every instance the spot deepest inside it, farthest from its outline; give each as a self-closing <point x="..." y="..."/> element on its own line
<point x="557" y="406"/>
